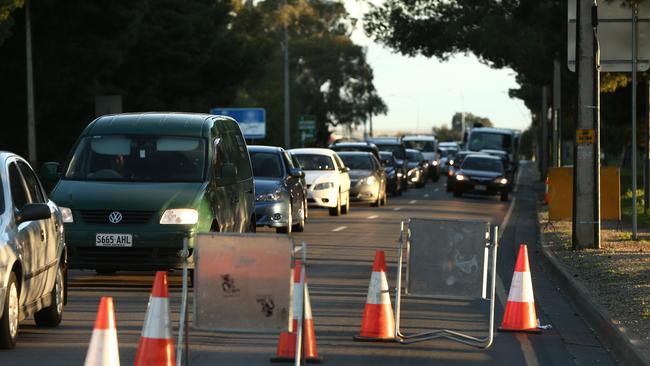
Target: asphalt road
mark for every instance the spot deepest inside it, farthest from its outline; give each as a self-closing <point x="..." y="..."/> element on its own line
<point x="340" y="255"/>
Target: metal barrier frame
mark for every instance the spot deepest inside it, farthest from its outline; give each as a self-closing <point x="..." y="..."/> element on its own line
<point x="482" y="343"/>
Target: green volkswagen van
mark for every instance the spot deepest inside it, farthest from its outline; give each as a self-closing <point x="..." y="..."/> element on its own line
<point x="136" y="185"/>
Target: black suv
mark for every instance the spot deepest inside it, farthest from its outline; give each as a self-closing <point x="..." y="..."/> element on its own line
<point x="397" y="147"/>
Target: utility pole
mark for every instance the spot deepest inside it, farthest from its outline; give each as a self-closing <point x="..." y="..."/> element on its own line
<point x="544" y="121"/>
<point x="634" y="139"/>
<point x="287" y="106"/>
<point x="586" y="173"/>
<point x="646" y="118"/>
<point x="31" y="119"/>
<point x="557" y="86"/>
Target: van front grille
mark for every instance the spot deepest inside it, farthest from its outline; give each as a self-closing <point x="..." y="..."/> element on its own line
<point x="128" y="217"/>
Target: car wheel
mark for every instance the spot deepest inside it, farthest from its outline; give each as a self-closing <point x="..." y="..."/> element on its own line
<point x="9" y="320"/>
<point x="457" y="194"/>
<point x="384" y="201"/>
<point x="51" y="315"/>
<point x="377" y="202"/>
<point x="346" y="209"/>
<point x="300" y="226"/>
<point x="504" y="196"/>
<point x="306" y="209"/>
<point x="286" y="229"/>
<point x="336" y="211"/>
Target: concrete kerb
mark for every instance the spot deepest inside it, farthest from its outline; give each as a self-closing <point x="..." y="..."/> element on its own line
<point x="612" y="336"/>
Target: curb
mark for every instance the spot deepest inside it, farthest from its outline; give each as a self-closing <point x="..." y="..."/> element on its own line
<point x="612" y="336"/>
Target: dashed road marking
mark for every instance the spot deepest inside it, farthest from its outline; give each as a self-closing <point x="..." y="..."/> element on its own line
<point x="397" y="208"/>
<point x="413" y="201"/>
<point x="340" y="228"/>
<point x="426" y="195"/>
<point x="436" y="190"/>
<point x="373" y="217"/>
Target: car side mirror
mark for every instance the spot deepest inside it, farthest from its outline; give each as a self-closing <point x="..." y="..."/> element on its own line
<point x="228" y="173"/>
<point x="33" y="211"/>
<point x="296" y="173"/>
<point x="345" y="169"/>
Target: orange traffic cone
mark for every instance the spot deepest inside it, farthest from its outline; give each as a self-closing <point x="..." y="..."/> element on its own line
<point x="156" y="345"/>
<point x="378" y="323"/>
<point x="287" y="343"/>
<point x="103" y="350"/>
<point x="520" y="310"/>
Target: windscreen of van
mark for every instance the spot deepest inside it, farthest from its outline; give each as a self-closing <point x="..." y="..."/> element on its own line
<point x="420" y="145"/>
<point x="395" y="149"/>
<point x="138" y="158"/>
<point x="489" y="140"/>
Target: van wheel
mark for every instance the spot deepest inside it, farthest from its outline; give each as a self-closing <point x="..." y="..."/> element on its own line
<point x="504" y="196"/>
<point x="336" y="211"/>
<point x="9" y="320"/>
<point x="51" y="316"/>
<point x="457" y="194"/>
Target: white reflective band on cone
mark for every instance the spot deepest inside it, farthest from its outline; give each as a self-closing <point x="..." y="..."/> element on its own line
<point x="521" y="289"/>
<point x="103" y="348"/>
<point x="297" y="301"/>
<point x="378" y="289"/>
<point x="157" y="324"/>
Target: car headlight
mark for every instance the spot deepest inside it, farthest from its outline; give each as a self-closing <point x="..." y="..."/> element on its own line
<point x="501" y="180"/>
<point x="399" y="174"/>
<point x="413" y="171"/>
<point x="66" y="214"/>
<point x="460" y="177"/>
<point x="268" y="197"/>
<point x="434" y="163"/>
<point x="451" y="162"/>
<point x="321" y="186"/>
<point x="370" y="180"/>
<point x="180" y="216"/>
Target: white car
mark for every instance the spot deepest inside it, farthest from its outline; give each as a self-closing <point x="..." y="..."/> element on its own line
<point x="327" y="178"/>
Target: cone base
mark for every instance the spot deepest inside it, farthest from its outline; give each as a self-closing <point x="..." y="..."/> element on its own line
<point x="529" y="330"/>
<point x="292" y="359"/>
<point x="360" y="338"/>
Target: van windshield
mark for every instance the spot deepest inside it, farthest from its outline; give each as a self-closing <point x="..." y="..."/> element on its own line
<point x="421" y="145"/>
<point x="489" y="140"/>
<point x="138" y="158"/>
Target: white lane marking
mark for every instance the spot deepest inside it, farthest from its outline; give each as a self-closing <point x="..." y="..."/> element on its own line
<point x="426" y="195"/>
<point x="373" y="217"/>
<point x="436" y="190"/>
<point x="413" y="201"/>
<point x="397" y="208"/>
<point x="340" y="228"/>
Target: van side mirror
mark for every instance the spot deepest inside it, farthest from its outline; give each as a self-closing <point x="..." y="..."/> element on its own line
<point x="49" y="174"/>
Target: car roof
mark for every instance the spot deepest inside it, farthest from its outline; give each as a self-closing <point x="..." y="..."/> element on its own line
<point x="353" y="143"/>
<point x="418" y="138"/>
<point x="264" y="148"/>
<point x="313" y="151"/>
<point x="183" y="124"/>
<point x="355" y="153"/>
<point x="413" y="151"/>
<point x="483" y="156"/>
<point x="386" y="140"/>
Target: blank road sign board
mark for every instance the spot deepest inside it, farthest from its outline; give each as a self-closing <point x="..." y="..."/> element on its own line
<point x="252" y="121"/>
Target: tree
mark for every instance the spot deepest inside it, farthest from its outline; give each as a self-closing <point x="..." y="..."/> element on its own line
<point x="444" y="133"/>
<point x="470" y="121"/>
<point x="7" y="7"/>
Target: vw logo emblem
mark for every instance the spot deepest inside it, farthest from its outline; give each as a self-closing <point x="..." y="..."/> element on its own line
<point x="115" y="217"/>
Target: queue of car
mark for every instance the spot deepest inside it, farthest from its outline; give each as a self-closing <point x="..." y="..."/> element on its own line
<point x="137" y="187"/>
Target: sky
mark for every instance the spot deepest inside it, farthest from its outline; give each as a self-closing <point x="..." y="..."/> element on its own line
<point x="422" y="93"/>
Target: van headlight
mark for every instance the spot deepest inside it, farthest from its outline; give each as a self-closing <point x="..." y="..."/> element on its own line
<point x="501" y="180"/>
<point x="180" y="216"/>
<point x="66" y="214"/>
<point x="321" y="186"/>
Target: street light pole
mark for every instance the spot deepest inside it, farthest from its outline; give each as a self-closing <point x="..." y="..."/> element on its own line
<point x="287" y="106"/>
<point x="31" y="120"/>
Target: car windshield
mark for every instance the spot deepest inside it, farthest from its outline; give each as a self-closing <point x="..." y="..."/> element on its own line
<point x="490" y="165"/>
<point x="387" y="156"/>
<point x="414" y="156"/>
<point x="395" y="149"/>
<point x="489" y="140"/>
<point x="266" y="164"/>
<point x="138" y="158"/>
<point x="315" y="162"/>
<point x="420" y="145"/>
<point x="357" y="162"/>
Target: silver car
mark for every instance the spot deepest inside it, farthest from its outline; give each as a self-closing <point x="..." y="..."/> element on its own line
<point x="33" y="258"/>
<point x="280" y="200"/>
